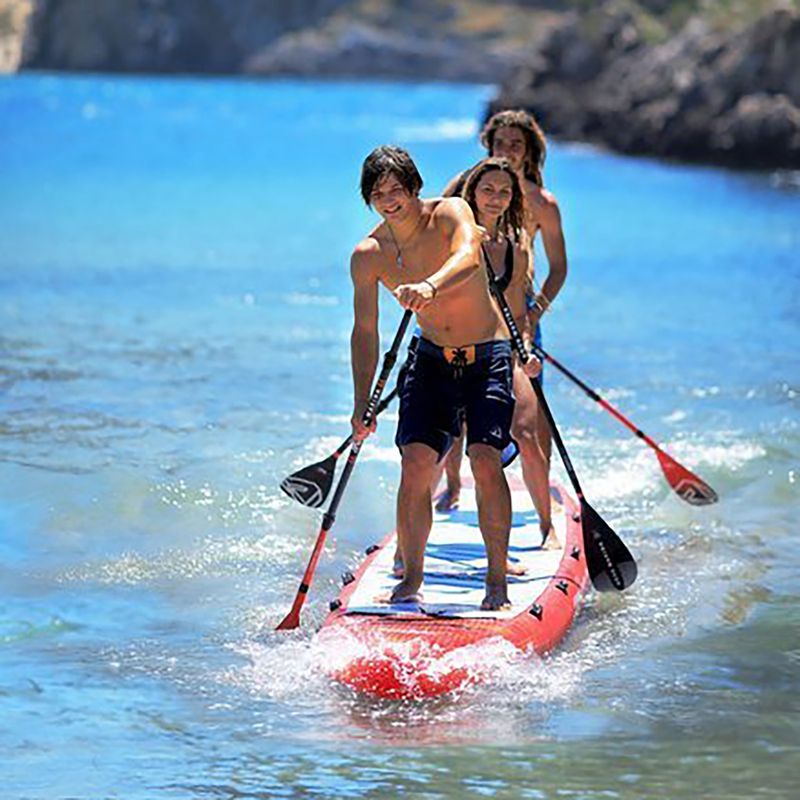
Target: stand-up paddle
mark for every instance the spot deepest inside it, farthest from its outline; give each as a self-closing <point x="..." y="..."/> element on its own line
<point x="292" y="619"/>
<point x="610" y="564"/>
<point x="687" y="485"/>
<point x="310" y="485"/>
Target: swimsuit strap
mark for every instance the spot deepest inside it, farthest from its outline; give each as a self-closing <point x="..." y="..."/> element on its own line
<point x="508" y="273"/>
<point x="508" y="260"/>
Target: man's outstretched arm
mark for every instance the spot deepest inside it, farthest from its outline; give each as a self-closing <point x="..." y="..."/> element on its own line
<point x="364" y="340"/>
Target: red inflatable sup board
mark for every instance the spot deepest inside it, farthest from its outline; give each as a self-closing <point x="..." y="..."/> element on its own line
<point x="440" y="644"/>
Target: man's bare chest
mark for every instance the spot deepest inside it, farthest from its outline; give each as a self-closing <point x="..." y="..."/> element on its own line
<point x="415" y="261"/>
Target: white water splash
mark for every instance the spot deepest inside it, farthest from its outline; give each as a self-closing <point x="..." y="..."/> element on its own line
<point x="731" y="452"/>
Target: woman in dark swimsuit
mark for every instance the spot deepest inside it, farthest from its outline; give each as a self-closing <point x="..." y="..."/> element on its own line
<point x="493" y="191"/>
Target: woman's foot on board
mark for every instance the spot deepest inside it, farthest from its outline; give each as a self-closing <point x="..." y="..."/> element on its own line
<point x="550" y="538"/>
<point x="447" y="499"/>
<point x="515" y="570"/>
<point x="496" y="598"/>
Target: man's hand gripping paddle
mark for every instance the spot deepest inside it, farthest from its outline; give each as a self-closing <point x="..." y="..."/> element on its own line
<point x="292" y="619"/>
<point x="686" y="484"/>
<point x="310" y="485"/>
<point x="611" y="566"/>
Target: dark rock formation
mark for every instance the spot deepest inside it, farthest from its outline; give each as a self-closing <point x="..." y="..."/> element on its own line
<point x="129" y="35"/>
<point x="302" y="37"/>
<point x="173" y="36"/>
<point x="351" y="49"/>
<point x="702" y="95"/>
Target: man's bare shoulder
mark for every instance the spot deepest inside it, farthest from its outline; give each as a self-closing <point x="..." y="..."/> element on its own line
<point x="367" y="255"/>
<point x="542" y="204"/>
<point x="539" y="197"/>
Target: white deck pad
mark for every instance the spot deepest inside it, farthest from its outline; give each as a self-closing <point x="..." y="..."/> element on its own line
<point x="455" y="562"/>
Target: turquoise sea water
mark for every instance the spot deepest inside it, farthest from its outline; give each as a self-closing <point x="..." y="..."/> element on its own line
<point x="174" y="322"/>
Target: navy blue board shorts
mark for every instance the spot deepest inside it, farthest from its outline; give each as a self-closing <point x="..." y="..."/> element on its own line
<point x="443" y="387"/>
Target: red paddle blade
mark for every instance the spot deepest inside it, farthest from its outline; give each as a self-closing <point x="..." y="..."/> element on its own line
<point x="686" y="484"/>
<point x="289" y="622"/>
<point x="292" y="619"/>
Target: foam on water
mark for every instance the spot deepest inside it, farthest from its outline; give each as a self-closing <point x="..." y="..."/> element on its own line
<point x="510" y="695"/>
<point x="499" y="676"/>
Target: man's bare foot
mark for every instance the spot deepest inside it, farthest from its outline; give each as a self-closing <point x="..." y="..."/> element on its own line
<point x="402" y="593"/>
<point x="515" y="569"/>
<point x="496" y="598"/>
<point x="447" y="500"/>
<point x="398" y="568"/>
<point x="550" y="539"/>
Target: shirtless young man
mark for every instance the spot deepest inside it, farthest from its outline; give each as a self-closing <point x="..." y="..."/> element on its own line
<point x="427" y="253"/>
<point x="515" y="135"/>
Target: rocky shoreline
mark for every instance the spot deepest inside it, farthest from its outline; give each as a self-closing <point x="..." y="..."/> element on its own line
<point x="700" y="96"/>
<point x="706" y="93"/>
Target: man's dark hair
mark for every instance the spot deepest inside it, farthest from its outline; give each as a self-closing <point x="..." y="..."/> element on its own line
<point x="389" y="160"/>
<point x="535" y="143"/>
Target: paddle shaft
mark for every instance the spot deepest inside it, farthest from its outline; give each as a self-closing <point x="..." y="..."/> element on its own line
<point x="519" y="346"/>
<point x="540" y="353"/>
<point x="687" y="485"/>
<point x="292" y="619"/>
<point x="378" y="411"/>
<point x="610" y="564"/>
<point x="372" y="411"/>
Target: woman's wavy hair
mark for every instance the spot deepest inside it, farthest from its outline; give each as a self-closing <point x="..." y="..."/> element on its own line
<point x="513" y="219"/>
<point x="535" y="142"/>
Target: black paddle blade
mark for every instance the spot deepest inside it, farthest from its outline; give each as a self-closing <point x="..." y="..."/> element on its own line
<point x="310" y="485"/>
<point x="611" y="566"/>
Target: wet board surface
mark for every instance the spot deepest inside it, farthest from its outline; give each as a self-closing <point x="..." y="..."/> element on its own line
<point x="455" y="561"/>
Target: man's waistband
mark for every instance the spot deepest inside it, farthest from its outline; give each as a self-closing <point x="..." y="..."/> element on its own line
<point x="466" y="354"/>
